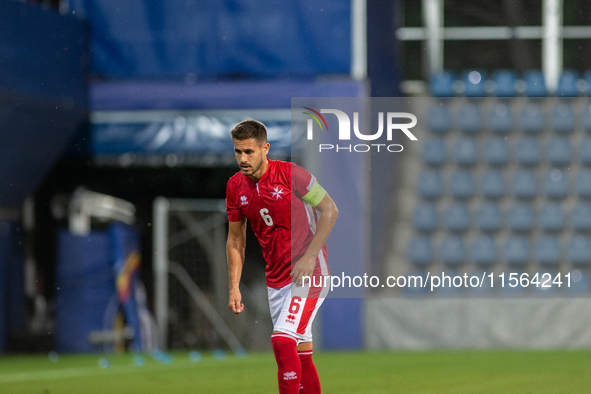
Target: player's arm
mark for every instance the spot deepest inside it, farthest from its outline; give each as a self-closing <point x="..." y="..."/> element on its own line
<point x="328" y="216"/>
<point x="235" y="247"/>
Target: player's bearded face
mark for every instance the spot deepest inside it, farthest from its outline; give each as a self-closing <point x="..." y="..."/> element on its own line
<point x="250" y="155"/>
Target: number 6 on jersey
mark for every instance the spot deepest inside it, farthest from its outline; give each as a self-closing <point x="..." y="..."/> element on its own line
<point x="266" y="217"/>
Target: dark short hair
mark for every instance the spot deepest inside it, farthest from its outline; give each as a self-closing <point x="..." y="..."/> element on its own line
<point x="248" y="129"/>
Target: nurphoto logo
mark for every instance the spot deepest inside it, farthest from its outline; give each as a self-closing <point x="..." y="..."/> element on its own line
<point x="344" y="132"/>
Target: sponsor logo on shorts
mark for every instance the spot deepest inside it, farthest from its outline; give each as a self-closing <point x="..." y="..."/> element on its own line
<point x="290" y="375"/>
<point x="290" y="319"/>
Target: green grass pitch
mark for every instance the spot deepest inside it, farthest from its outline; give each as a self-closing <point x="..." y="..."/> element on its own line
<point x="340" y="372"/>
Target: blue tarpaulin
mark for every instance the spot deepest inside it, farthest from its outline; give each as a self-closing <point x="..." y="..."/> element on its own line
<point x="85" y="284"/>
<point x="139" y="38"/>
<point x="96" y="277"/>
<point x="42" y="94"/>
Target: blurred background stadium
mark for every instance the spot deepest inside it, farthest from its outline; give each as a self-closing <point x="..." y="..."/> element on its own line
<point x="115" y="153"/>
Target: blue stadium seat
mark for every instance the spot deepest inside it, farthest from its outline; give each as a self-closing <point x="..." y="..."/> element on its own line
<point x="462" y="184"/>
<point x="581" y="217"/>
<point x="442" y="84"/>
<point x="520" y="217"/>
<point x="563" y="118"/>
<point x="425" y="217"/>
<point x="558" y="151"/>
<point x="551" y="217"/>
<point x="555" y="184"/>
<point x="567" y="84"/>
<point x="484" y="250"/>
<point x="501" y="119"/>
<point x="508" y="290"/>
<point x="579" y="283"/>
<point x="489" y="217"/>
<point x="528" y="151"/>
<point x="484" y="289"/>
<point x="586" y="118"/>
<point x="416" y="288"/>
<point x="470" y="120"/>
<point x="496" y="151"/>
<point x="457" y="217"/>
<point x="516" y="250"/>
<point x="524" y="184"/>
<point x="420" y="251"/>
<point x="544" y="287"/>
<point x="583" y="183"/>
<point x="579" y="251"/>
<point x="434" y="152"/>
<point x="535" y="86"/>
<point x="474" y="81"/>
<point x="430" y="184"/>
<point x="465" y="151"/>
<point x="439" y="119"/>
<point x="532" y="118"/>
<point x="547" y="250"/>
<point x="446" y="287"/>
<point x="492" y="184"/>
<point x="504" y="83"/>
<point x="585" y="151"/>
<point x="452" y="251"/>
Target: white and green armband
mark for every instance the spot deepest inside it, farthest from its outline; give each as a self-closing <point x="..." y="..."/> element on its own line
<point x="315" y="195"/>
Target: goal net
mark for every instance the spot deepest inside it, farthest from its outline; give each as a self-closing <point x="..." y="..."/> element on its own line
<point x="191" y="281"/>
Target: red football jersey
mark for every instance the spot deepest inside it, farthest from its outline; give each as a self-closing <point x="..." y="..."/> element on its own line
<point x="282" y="222"/>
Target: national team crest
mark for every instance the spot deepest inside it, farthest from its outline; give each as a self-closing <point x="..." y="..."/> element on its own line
<point x="277" y="193"/>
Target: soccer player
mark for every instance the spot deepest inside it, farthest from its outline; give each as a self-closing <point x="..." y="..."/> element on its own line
<point x="280" y="200"/>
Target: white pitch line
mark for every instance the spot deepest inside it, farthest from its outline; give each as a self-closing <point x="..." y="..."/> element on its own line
<point x="92" y="371"/>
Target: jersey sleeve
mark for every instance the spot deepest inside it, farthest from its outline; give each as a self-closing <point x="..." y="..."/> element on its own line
<point x="234" y="214"/>
<point x="306" y="186"/>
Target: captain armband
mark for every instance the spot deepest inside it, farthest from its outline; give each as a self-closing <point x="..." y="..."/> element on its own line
<point x="315" y="195"/>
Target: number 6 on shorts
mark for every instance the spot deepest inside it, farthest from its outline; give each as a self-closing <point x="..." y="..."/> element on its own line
<point x="294" y="307"/>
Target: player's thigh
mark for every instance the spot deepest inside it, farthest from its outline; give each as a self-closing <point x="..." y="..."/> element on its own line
<point x="297" y="314"/>
<point x="277" y="299"/>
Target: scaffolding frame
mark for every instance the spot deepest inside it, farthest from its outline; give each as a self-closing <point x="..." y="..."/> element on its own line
<point x="552" y="33"/>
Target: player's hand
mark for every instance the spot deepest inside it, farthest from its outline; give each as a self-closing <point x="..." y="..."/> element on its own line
<point x="236" y="301"/>
<point x="303" y="267"/>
